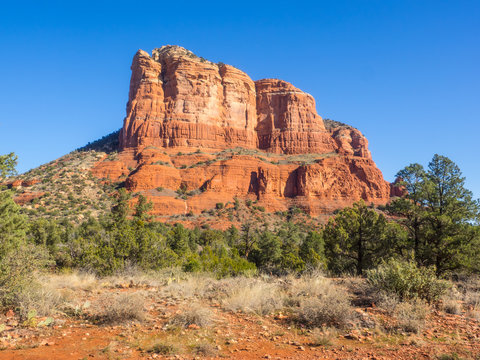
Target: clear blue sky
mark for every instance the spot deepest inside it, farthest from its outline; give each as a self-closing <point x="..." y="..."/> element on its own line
<point x="406" y="73"/>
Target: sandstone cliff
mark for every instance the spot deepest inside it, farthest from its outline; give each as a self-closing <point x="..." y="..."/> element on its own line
<point x="179" y="100"/>
<point x="210" y="130"/>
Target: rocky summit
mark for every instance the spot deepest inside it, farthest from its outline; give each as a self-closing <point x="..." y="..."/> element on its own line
<point x="198" y="136"/>
<point x="210" y="133"/>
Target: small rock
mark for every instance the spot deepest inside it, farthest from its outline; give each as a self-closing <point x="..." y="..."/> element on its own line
<point x="12" y="322"/>
<point x="351" y="337"/>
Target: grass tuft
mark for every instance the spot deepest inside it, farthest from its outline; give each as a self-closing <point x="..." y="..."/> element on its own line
<point x="194" y="315"/>
<point x="114" y="309"/>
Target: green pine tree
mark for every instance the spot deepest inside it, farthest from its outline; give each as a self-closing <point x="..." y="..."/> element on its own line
<point x="355" y="239"/>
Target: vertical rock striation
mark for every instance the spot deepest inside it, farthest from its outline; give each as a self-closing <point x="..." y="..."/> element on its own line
<point x="178" y="100"/>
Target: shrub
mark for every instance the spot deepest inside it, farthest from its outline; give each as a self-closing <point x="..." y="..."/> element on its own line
<point x="472" y="299"/>
<point x="204" y="349"/>
<point x="321" y="303"/>
<point x="474" y="314"/>
<point x="219" y="205"/>
<point x="411" y="316"/>
<point x="162" y="349"/>
<point x="451" y="305"/>
<point x="323" y="337"/>
<point x="192" y="264"/>
<point x="194" y="315"/>
<point x="387" y="302"/>
<point x="113" y="309"/>
<point x="182" y="190"/>
<point x="17" y="274"/>
<point x="39" y="299"/>
<point x="406" y="280"/>
<point x="222" y="264"/>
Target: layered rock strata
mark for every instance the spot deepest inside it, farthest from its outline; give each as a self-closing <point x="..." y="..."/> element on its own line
<point x="237" y="138"/>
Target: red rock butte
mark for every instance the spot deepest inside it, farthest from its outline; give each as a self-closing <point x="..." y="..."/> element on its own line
<point x="213" y="132"/>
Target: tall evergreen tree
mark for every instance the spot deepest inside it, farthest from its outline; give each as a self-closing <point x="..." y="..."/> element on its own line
<point x="121" y="208"/>
<point x="440" y="214"/>
<point x="12" y="224"/>
<point x="248" y="239"/>
<point x="142" y="208"/>
<point x="410" y="207"/>
<point x="268" y="251"/>
<point x="356" y="239"/>
<point x="177" y="239"/>
<point x="450" y="214"/>
<point x="312" y="250"/>
<point x="8" y="163"/>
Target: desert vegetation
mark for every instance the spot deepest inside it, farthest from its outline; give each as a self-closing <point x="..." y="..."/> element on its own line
<point x="402" y="275"/>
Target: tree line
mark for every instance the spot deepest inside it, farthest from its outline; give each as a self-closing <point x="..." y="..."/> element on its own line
<point x="435" y="225"/>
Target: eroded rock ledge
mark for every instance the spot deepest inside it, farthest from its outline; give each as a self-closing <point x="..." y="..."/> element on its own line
<point x="210" y="129"/>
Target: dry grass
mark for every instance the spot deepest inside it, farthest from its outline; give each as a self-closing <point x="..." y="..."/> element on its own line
<point x="163" y="348"/>
<point x="363" y="294"/>
<point x="333" y="310"/>
<point x="133" y="276"/>
<point x="473" y="314"/>
<point x="42" y="299"/>
<point x="411" y="316"/>
<point x="320" y="303"/>
<point x="255" y="297"/>
<point x="323" y="337"/>
<point x="195" y="314"/>
<point x="472" y="299"/>
<point x="114" y="309"/>
<point x="314" y="300"/>
<point x="73" y="281"/>
<point x="472" y="302"/>
<point x="451" y="305"/>
<point x="310" y="286"/>
<point x="204" y="349"/>
<point x="387" y="302"/>
<point x="189" y="287"/>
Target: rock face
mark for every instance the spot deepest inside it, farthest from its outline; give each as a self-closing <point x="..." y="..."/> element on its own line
<point x="179" y="100"/>
<point x="261" y="140"/>
<point x="287" y="120"/>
